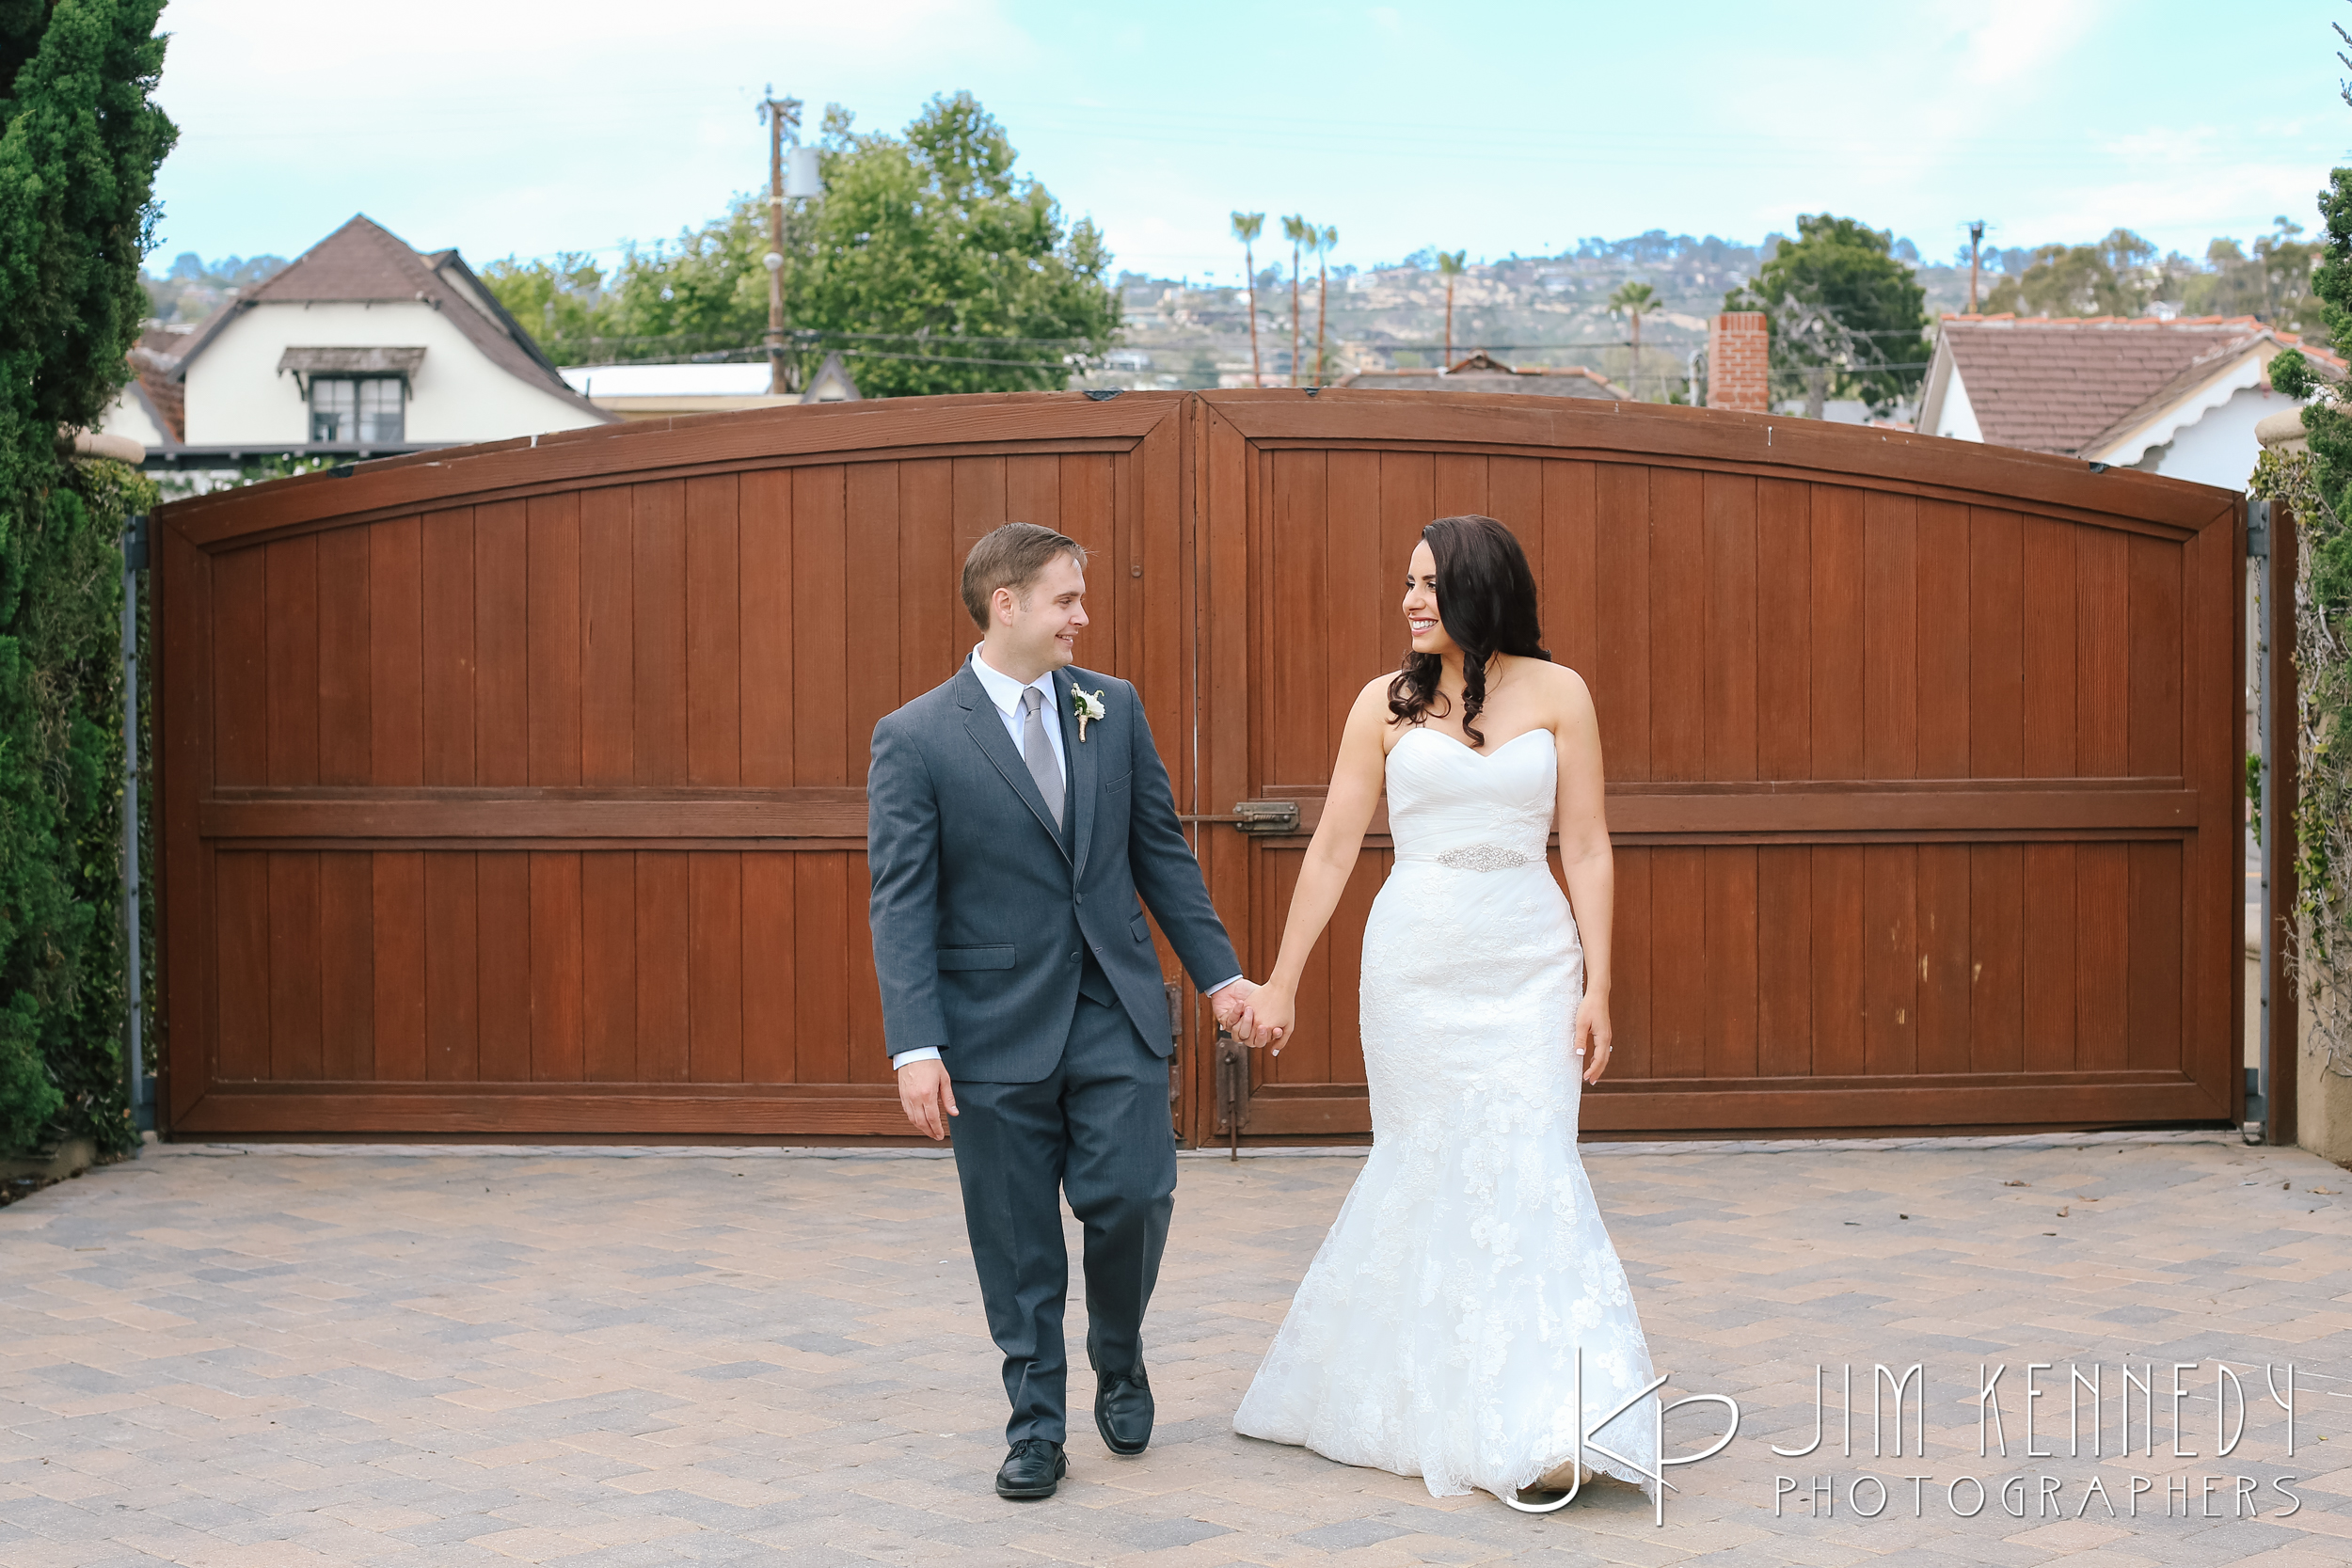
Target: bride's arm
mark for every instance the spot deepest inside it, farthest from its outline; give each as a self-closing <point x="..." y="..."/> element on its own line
<point x="1584" y="856"/>
<point x="1357" y="776"/>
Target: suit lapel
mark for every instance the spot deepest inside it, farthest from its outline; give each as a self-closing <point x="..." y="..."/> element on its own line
<point x="1082" y="770"/>
<point x="985" y="723"/>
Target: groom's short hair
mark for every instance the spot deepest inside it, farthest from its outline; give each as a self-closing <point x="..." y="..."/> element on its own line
<point x="1012" y="557"/>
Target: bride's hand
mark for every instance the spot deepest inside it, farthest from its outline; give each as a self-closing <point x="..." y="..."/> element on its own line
<point x="1272" y="1014"/>
<point x="1593" y="1037"/>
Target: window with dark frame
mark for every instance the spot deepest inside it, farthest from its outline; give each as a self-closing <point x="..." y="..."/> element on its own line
<point x="358" y="410"/>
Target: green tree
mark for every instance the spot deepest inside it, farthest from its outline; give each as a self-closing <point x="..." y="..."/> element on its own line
<point x="1323" y="240"/>
<point x="1297" y="229"/>
<point x="1450" y="265"/>
<point x="928" y="262"/>
<point x="1847" y="317"/>
<point x="1634" y="301"/>
<point x="80" y="138"/>
<point x="2273" y="284"/>
<point x="1246" y="228"/>
<point x="2115" y="276"/>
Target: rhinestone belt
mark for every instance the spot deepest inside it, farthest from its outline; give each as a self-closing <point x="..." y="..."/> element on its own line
<point x="1483" y="857"/>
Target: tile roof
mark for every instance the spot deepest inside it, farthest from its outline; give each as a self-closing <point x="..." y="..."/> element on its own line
<point x="1483" y="372"/>
<point x="365" y="263"/>
<point x="2062" y="384"/>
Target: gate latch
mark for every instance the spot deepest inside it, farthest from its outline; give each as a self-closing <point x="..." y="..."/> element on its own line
<point x="1257" y="816"/>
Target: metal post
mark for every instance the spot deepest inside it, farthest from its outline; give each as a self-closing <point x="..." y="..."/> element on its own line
<point x="2257" y="561"/>
<point x="134" y="561"/>
<point x="2282" y="766"/>
<point x="782" y="115"/>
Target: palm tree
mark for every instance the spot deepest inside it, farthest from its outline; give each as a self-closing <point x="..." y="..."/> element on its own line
<point x="1246" y="227"/>
<point x="1451" y="265"/>
<point x="1323" y="242"/>
<point x="1295" y="230"/>
<point x="1632" y="301"/>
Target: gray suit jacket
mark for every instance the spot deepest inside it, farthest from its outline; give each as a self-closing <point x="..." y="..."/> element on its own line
<point x="982" y="909"/>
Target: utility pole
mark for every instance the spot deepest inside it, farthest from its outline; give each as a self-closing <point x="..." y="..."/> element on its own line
<point x="782" y="115"/>
<point x="1976" y="241"/>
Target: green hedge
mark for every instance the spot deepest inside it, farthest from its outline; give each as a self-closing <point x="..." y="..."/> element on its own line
<point x="80" y="139"/>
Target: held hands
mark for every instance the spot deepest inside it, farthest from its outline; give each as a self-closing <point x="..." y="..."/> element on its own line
<point x="1592" y="1035"/>
<point x="1264" y="1016"/>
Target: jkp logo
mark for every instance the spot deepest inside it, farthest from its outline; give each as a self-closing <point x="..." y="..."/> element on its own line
<point x="1587" y="1443"/>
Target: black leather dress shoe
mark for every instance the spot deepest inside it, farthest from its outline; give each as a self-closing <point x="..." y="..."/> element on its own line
<point x="1031" y="1469"/>
<point x="1123" y="1410"/>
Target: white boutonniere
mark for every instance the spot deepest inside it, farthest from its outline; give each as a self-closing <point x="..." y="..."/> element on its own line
<point x="1087" y="706"/>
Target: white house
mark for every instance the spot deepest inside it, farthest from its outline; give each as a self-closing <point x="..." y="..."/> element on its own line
<point x="361" y="347"/>
<point x="2177" y="397"/>
<point x="665" y="391"/>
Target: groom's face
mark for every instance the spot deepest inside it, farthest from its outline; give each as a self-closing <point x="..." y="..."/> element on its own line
<point x="1041" y="624"/>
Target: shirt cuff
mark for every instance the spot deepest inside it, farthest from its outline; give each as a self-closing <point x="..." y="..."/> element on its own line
<point x="920" y="1053"/>
<point x="1220" y="985"/>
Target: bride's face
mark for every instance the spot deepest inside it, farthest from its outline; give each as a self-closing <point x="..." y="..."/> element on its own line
<point x="1421" y="604"/>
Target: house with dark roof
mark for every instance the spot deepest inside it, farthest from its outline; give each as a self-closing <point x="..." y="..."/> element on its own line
<point x="363" y="347"/>
<point x="1483" y="372"/>
<point x="2178" y="397"/>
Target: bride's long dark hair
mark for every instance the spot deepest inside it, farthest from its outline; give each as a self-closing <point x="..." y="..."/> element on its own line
<point x="1487" y="601"/>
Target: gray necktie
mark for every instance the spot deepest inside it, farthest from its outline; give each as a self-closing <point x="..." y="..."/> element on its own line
<point x="1038" y="752"/>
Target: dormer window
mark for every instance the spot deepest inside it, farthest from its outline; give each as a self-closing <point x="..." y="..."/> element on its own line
<point x="358" y="410"/>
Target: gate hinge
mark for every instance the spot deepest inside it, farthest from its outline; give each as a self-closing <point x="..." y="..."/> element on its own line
<point x="2258" y="530"/>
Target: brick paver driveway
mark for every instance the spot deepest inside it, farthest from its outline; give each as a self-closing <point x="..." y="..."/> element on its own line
<point x="596" y="1357"/>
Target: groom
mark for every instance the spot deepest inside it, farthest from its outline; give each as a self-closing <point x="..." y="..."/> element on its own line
<point x="1015" y="813"/>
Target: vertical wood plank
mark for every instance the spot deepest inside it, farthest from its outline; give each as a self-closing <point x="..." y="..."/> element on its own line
<point x="608" y="661"/>
<point x="1033" y="491"/>
<point x="2154" y="978"/>
<point x="2159" y="637"/>
<point x="714" y="643"/>
<point x="1784" y="629"/>
<point x="347" y="966"/>
<point x="1731" y="980"/>
<point x="1841" y="1003"/>
<point x="869" y="1058"/>
<point x="607" y="966"/>
<point x="501" y="626"/>
<point x="1514" y="497"/>
<point x="764" y="531"/>
<point x="291" y="568"/>
<point x="715" y="956"/>
<point x="2051" y="1010"/>
<point x="658" y="620"/>
<point x="502" y="880"/>
<point x="297" y="1048"/>
<point x="820" y="971"/>
<point x="1944" y="962"/>
<point x="2051" y="647"/>
<point x="870" y="680"/>
<point x="1458" y="484"/>
<point x="935" y="632"/>
<point x="2103" y="948"/>
<point x="241" y="667"/>
<point x="452" y="973"/>
<point x="1944" y="623"/>
<point x="1890" y="627"/>
<point x="1678" y="619"/>
<point x="398" y="917"/>
<point x="1089" y="515"/>
<point x="2101" y="653"/>
<point x="1300" y="744"/>
<point x="241" y="934"/>
<point x="1729" y="644"/>
<point x="395" y="655"/>
<point x="664" y="1013"/>
<point x="447" y="552"/>
<point x="342" y="573"/>
<point x="1679" y="958"/>
<point x="557" y="1026"/>
<point x="1621" y="696"/>
<point x="1571" y="576"/>
<point x="770" y="943"/>
<point x="1630" y="939"/>
<point x="1783" y="959"/>
<point x="1996" y="644"/>
<point x="1890" y="975"/>
<point x="979" y="500"/>
<point x="1365" y="632"/>
<point x="1996" y="949"/>
<point x="1838" y="633"/>
<point x="553" y="532"/>
<point x="820" y="585"/>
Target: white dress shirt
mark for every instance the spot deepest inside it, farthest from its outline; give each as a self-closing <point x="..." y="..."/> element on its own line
<point x="1005" y="692"/>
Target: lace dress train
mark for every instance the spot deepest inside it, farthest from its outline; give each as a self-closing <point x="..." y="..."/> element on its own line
<point x="1436" y="1332"/>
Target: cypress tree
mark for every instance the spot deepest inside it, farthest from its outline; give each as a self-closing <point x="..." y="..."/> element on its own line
<point x="80" y="140"/>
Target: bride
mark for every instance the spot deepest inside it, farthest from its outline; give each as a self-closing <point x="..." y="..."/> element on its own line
<point x="1438" y="1331"/>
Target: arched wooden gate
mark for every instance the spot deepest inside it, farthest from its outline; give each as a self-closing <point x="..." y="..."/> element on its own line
<point x="517" y="789"/>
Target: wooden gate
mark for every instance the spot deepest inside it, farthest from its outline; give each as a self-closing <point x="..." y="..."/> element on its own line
<point x="518" y="789"/>
<point x="1922" y="756"/>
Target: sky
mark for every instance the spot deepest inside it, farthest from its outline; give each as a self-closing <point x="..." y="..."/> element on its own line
<point x="526" y="127"/>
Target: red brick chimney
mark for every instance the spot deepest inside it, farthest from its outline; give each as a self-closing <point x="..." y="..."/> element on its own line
<point x="1737" y="349"/>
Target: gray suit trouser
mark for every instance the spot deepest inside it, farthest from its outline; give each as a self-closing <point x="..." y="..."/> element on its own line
<point x="1098" y="1127"/>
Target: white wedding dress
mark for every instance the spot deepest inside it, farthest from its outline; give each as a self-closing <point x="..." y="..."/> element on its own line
<point x="1435" y="1333"/>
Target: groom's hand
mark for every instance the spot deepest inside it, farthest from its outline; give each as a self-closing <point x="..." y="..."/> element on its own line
<point x="928" y="1097"/>
<point x="1231" y="1005"/>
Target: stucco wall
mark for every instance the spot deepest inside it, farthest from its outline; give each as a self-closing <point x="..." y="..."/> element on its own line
<point x="236" y="393"/>
<point x="2220" y="448"/>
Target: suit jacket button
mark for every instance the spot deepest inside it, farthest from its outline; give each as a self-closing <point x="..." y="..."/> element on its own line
<point x="1082" y="898"/>
<point x="1073" y="958"/>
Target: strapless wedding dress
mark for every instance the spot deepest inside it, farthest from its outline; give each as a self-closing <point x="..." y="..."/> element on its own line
<point x="1435" y="1334"/>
